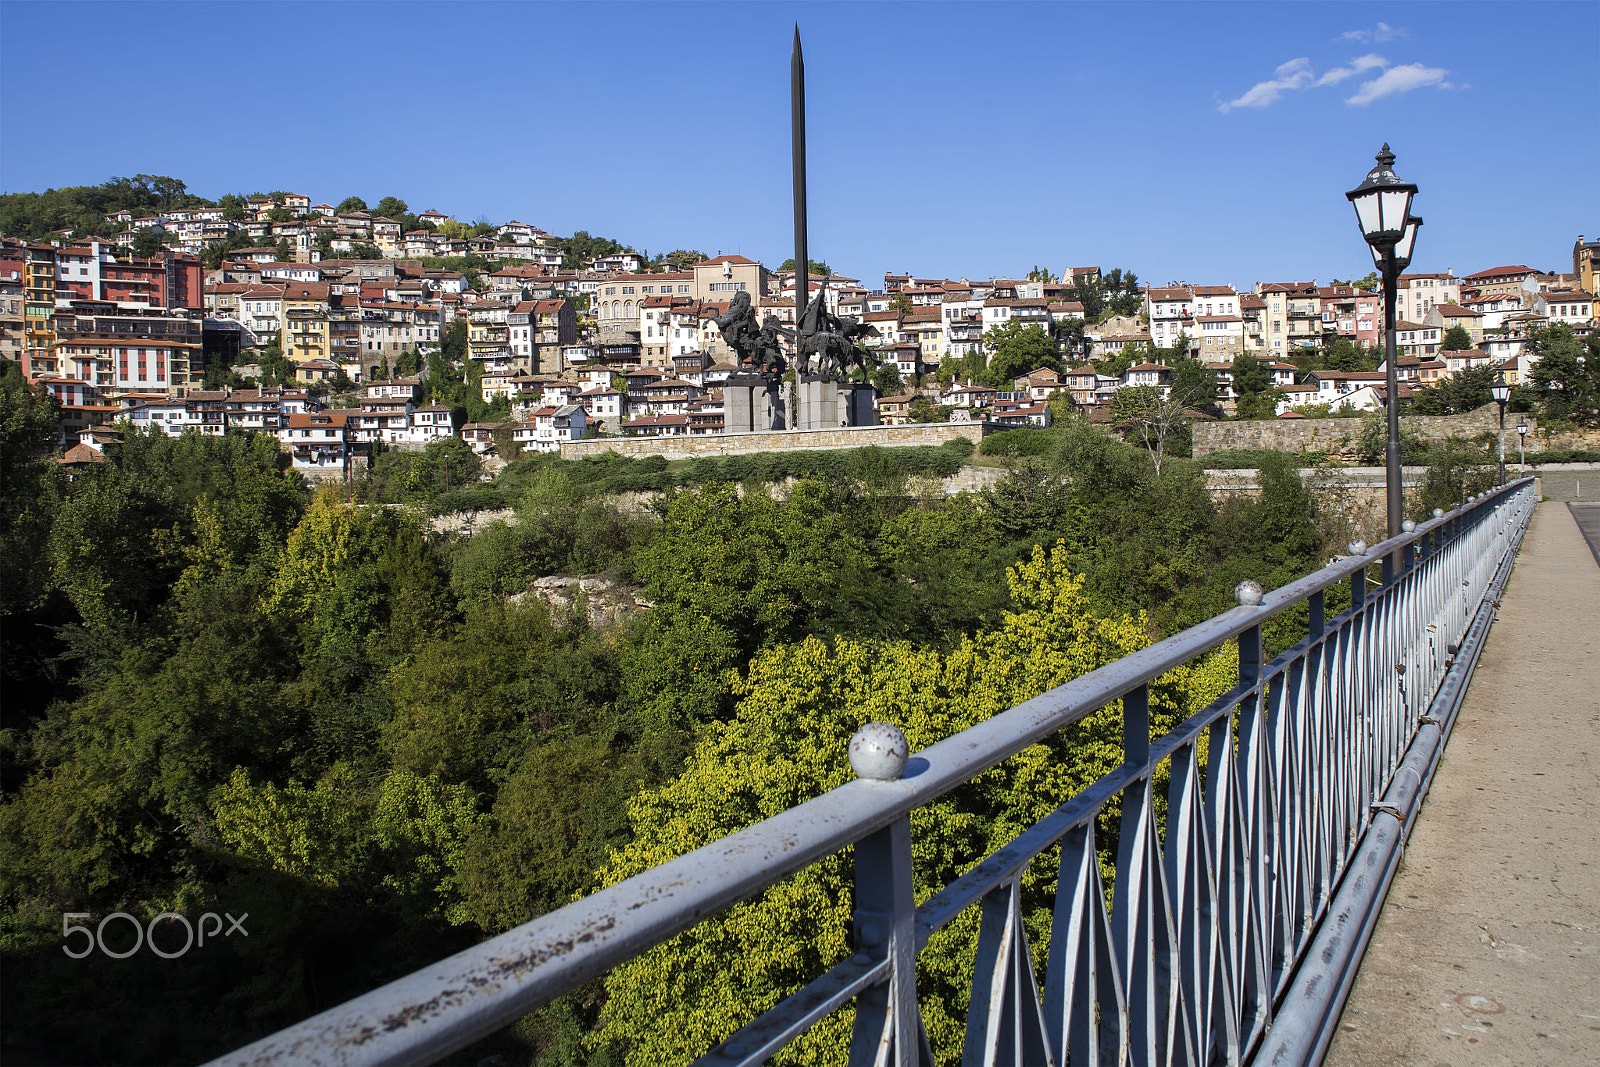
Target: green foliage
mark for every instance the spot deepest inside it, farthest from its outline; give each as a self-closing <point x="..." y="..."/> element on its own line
<point x="1023" y="441"/>
<point x="82" y="208"/>
<point x="582" y="248"/>
<point x="1464" y="391"/>
<point x="1457" y="339"/>
<point x="1372" y="441"/>
<point x="1566" y="374"/>
<point x="224" y="693"/>
<point x="1454" y="474"/>
<point x="1015" y="349"/>
<point x="350" y="204"/>
<point x="798" y="706"/>
<point x="818" y="268"/>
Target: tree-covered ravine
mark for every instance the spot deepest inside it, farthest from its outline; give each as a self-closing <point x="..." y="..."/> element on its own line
<point x="229" y="693"/>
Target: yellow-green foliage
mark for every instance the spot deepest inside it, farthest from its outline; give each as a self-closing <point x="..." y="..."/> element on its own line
<point x="799" y="705"/>
<point x="407" y="836"/>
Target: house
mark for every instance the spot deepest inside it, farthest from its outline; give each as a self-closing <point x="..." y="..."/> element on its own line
<point x="1571" y="306"/>
<point x="431" y="423"/>
<point x="1511" y="280"/>
<point x="480" y="436"/>
<point x="1039" y="384"/>
<point x="1152" y="374"/>
<point x="601" y="403"/>
<point x="895" y="410"/>
<point x="1417" y="338"/>
<point x="321" y="440"/>
<point x="1021" y="414"/>
<point x="657" y="426"/>
<point x="1448" y="316"/>
<point x="969" y="396"/>
<point x="168" y="416"/>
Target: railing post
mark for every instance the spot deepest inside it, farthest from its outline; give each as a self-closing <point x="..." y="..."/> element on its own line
<point x="885" y="926"/>
<point x="1136" y="727"/>
<point x="887" y="1020"/>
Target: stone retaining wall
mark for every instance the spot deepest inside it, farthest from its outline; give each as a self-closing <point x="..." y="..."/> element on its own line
<point x="737" y="444"/>
<point x="1337" y="437"/>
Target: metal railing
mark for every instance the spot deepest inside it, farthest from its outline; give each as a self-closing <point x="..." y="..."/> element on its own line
<point x="1237" y="916"/>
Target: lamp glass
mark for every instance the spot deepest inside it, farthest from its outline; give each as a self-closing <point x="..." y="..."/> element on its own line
<point x="1395" y="208"/>
<point x="1407" y="242"/>
<point x="1500" y="390"/>
<point x="1368" y="215"/>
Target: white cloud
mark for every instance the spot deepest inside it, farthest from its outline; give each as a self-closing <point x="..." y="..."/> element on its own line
<point x="1400" y="79"/>
<point x="1295" y="74"/>
<point x="1377" y="35"/>
<point x="1359" y="65"/>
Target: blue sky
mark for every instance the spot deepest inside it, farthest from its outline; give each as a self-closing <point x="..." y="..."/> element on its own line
<point x="1206" y="142"/>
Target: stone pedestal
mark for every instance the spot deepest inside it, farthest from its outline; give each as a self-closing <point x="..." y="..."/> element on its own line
<point x="827" y="405"/>
<point x="818" y="406"/>
<point x="752" y="403"/>
<point x="855" y="403"/>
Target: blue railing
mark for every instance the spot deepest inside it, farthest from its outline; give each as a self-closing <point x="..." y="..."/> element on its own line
<point x="1234" y="930"/>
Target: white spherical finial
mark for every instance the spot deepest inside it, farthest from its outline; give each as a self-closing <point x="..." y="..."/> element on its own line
<point x="1438" y="513"/>
<point x="1248" y="593"/>
<point x="1357" y="547"/>
<point x="879" y="751"/>
<point x="1408" y="526"/>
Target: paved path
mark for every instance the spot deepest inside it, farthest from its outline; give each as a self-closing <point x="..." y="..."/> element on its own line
<point x="1488" y="948"/>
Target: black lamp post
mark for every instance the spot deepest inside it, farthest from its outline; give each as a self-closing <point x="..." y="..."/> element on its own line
<point x="1501" y="393"/>
<point x="1522" y="443"/>
<point x="1383" y="210"/>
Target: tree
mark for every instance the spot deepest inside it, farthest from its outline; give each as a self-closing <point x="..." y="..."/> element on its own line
<point x="1566" y="372"/>
<point x="821" y="269"/>
<point x="285" y="251"/>
<point x="350" y="204"/>
<point x="279" y="213"/>
<point x="1252" y="385"/>
<point x="1087" y="292"/>
<point x="1016" y="349"/>
<point x="886" y="379"/>
<point x="1457" y="339"/>
<point x="685" y="258"/>
<point x="921" y="409"/>
<point x="1369" y="283"/>
<point x="147" y="243"/>
<point x="900" y="302"/>
<point x="798" y="705"/>
<point x="1042" y="274"/>
<point x="391" y="208"/>
<point x="232" y="205"/>
<point x="1465" y="391"/>
<point x="1194" y="386"/>
<point x="1148" y="416"/>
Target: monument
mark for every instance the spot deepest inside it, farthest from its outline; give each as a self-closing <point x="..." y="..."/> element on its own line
<point x="824" y="346"/>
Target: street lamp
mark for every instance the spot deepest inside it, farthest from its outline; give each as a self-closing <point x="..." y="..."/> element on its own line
<point x="1522" y="443"/>
<point x="1383" y="210"/>
<point x="1501" y="393"/>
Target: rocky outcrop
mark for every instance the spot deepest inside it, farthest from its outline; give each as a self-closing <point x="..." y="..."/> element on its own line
<point x="601" y="600"/>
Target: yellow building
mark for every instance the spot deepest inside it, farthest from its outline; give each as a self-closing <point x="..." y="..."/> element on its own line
<point x="39" y="308"/>
<point x="305" y="330"/>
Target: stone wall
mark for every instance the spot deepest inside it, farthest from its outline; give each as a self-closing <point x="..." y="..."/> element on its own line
<point x="1567" y="481"/>
<point x="1337" y="437"/>
<point x="1356" y="496"/>
<point x="737" y="444"/>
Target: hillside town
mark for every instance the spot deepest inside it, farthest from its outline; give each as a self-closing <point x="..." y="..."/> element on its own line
<point x="327" y="326"/>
